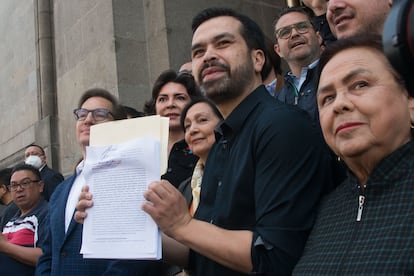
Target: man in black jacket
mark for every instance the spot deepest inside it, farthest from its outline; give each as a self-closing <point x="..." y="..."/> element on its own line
<point x="35" y="155"/>
<point x="299" y="44"/>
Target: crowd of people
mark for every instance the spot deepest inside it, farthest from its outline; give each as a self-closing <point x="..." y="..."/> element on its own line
<point x="310" y="173"/>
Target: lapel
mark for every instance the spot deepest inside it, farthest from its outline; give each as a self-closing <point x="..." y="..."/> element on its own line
<point x="60" y="211"/>
<point x="72" y="225"/>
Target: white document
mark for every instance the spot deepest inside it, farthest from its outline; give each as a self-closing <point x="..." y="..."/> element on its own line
<point x="118" y="175"/>
<point x="121" y="131"/>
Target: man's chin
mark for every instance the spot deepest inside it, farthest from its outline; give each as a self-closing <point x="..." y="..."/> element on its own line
<point x="217" y="86"/>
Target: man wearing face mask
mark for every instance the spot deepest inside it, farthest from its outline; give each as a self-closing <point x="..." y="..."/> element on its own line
<point x="35" y="155"/>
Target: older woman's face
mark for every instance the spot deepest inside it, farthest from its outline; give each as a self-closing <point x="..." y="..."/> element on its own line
<point x="199" y="124"/>
<point x="362" y="109"/>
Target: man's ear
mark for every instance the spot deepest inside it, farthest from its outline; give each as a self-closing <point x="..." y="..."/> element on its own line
<point x="3" y="190"/>
<point x="42" y="185"/>
<point x="277" y="49"/>
<point x="411" y="109"/>
<point x="259" y="59"/>
<point x="320" y="39"/>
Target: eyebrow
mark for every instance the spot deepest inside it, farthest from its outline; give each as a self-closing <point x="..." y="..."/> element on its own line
<point x="174" y="94"/>
<point x="346" y="79"/>
<point x="215" y="38"/>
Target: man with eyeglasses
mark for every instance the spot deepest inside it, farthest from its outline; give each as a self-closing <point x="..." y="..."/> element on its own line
<point x="35" y="155"/>
<point x="298" y="43"/>
<point x="24" y="234"/>
<point x="62" y="251"/>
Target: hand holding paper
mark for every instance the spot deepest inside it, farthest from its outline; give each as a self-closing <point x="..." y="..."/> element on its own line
<point x="118" y="175"/>
<point x="167" y="206"/>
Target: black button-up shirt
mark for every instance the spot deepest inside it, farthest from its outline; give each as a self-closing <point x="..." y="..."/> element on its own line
<point x="265" y="173"/>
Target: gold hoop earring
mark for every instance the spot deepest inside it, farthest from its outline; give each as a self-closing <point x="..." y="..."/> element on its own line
<point x="412" y="126"/>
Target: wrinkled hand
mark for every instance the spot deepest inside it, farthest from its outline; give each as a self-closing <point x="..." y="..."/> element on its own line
<point x="167" y="207"/>
<point x="85" y="202"/>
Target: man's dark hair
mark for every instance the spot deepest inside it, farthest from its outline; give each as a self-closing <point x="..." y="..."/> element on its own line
<point x="117" y="111"/>
<point x="273" y="61"/>
<point x="132" y="112"/>
<point x="5" y="175"/>
<point x="37" y="146"/>
<point x="26" y="167"/>
<point x="185" y="79"/>
<point x="196" y="101"/>
<point x="250" y="31"/>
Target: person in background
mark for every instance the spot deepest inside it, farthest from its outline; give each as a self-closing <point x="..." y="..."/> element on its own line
<point x="35" y="155"/>
<point x="170" y="93"/>
<point x="198" y="120"/>
<point x="319" y="8"/>
<point x="272" y="71"/>
<point x="132" y="112"/>
<point x="186" y="68"/>
<point x="355" y="17"/>
<point x="298" y="43"/>
<point x="365" y="226"/>
<point x="24" y="234"/>
<point x="61" y="252"/>
<point x="6" y="198"/>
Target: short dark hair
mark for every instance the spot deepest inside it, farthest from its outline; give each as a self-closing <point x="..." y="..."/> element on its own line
<point x="27" y="167"/>
<point x="117" y="111"/>
<point x="250" y="30"/>
<point x="369" y="41"/>
<point x="132" y="112"/>
<point x="5" y="175"/>
<point x="37" y="146"/>
<point x="185" y="79"/>
<point x="273" y="60"/>
<point x="303" y="10"/>
<point x="196" y="101"/>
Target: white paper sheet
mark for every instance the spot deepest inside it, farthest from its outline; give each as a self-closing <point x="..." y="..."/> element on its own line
<point x="121" y="131"/>
<point x="118" y="175"/>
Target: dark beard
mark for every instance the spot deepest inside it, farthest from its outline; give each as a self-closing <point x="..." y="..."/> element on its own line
<point x="230" y="86"/>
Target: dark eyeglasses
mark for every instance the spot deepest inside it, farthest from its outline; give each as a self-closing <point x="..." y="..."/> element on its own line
<point x="301" y="27"/>
<point x="99" y="114"/>
<point x="24" y="184"/>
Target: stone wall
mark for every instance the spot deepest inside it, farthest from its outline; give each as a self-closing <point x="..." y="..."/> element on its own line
<point x="54" y="50"/>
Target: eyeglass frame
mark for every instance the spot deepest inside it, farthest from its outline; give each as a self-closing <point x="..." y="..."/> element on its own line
<point x="23" y="184"/>
<point x="309" y="26"/>
<point x="93" y="111"/>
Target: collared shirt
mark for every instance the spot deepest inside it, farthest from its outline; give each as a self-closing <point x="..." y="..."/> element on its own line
<point x="382" y="241"/>
<point x="271" y="87"/>
<point x="301" y="91"/>
<point x="29" y="230"/>
<point x="265" y="173"/>
<point x="298" y="82"/>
